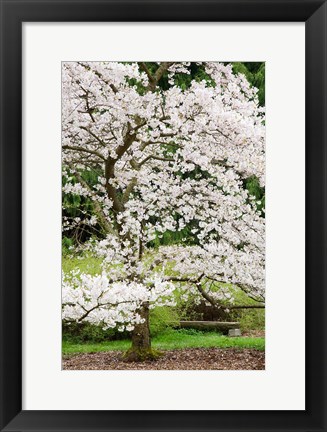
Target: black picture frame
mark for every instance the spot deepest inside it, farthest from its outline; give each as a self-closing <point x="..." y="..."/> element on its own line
<point x="13" y="14"/>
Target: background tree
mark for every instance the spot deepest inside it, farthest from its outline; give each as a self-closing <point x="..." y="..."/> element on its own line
<point x="162" y="157"/>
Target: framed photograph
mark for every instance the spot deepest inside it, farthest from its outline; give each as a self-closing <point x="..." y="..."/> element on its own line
<point x="163" y="215"/>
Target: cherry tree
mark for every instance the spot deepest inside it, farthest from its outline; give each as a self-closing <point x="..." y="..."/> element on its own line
<point x="164" y="160"/>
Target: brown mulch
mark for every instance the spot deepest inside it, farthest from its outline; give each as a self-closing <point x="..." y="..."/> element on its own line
<point x="186" y="359"/>
<point x="254" y="333"/>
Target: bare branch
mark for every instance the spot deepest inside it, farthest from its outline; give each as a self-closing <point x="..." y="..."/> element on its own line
<point x="93" y="134"/>
<point x="84" y="150"/>
<point x="159" y="158"/>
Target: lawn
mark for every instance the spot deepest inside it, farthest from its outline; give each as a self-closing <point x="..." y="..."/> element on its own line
<point x="169" y="340"/>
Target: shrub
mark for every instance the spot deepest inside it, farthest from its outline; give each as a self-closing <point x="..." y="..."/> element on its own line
<point x="67" y="243"/>
<point x="252" y="319"/>
<point x="86" y="332"/>
<point x="162" y="318"/>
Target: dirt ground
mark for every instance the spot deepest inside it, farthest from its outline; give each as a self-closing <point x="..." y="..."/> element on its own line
<point x="186" y="359"/>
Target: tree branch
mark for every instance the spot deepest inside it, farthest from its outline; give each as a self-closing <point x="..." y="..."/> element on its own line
<point x="159" y="158"/>
<point x="144" y="67"/>
<point x="93" y="134"/>
<point x="84" y="150"/>
<point x="153" y="79"/>
<point x="208" y="297"/>
<point x="161" y="70"/>
<point x="97" y="73"/>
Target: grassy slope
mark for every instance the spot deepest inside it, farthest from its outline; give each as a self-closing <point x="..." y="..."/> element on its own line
<point x="170" y="340"/>
<point x="86" y="264"/>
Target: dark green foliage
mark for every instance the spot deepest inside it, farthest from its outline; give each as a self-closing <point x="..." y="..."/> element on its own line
<point x="86" y="332"/>
<point x="253" y="186"/>
<point x="197" y="73"/>
<point x="190" y="310"/>
<point x="255" y="74"/>
<point x="67" y="243"/>
<point x="249" y="319"/>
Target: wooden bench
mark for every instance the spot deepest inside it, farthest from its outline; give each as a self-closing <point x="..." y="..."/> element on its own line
<point x="230" y="328"/>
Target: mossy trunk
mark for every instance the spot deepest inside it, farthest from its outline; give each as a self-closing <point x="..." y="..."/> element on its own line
<point x="141" y="340"/>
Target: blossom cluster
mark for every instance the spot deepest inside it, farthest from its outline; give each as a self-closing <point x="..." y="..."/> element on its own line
<point x="102" y="301"/>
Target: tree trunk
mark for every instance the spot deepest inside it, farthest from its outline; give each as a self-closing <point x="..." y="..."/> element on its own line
<point x="141" y="333"/>
<point x="141" y="340"/>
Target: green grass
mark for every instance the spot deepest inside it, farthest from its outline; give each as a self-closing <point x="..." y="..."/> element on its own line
<point x="86" y="264"/>
<point x="169" y="340"/>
